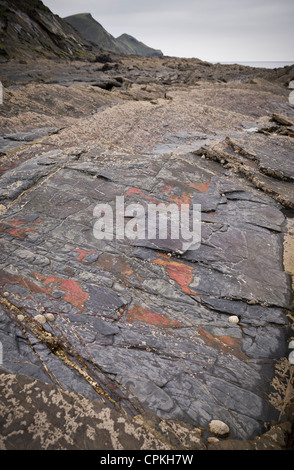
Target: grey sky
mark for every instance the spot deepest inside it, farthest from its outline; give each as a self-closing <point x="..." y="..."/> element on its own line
<point x="213" y="30"/>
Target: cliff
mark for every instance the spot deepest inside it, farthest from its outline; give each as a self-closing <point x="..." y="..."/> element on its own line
<point x="30" y="29"/>
<point x="93" y="31"/>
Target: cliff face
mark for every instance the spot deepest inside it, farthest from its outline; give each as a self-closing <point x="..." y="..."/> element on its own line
<point x="136" y="47"/>
<point x="29" y="29"/>
<point x="93" y="31"/>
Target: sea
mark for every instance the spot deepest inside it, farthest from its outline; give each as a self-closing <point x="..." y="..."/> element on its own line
<point x="266" y="65"/>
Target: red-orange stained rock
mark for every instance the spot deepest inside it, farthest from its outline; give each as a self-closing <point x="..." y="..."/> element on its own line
<point x="202" y="187"/>
<point x="74" y="294"/>
<point x="151" y="199"/>
<point x="83" y="254"/>
<point x="141" y="314"/>
<point x="226" y="344"/>
<point x="15" y="222"/>
<point x="116" y="264"/>
<point x="134" y="191"/>
<point x="182" y="273"/>
<point x="167" y="189"/>
<point x="20" y="232"/>
<point x="185" y="198"/>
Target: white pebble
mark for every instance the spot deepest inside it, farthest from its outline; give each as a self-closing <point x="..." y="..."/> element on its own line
<point x="291" y="344"/>
<point x="219" y="428"/>
<point x="49" y="316"/>
<point x="291" y="357"/>
<point x="234" y="319"/>
<point x="20" y="317"/>
<point x="40" y="319"/>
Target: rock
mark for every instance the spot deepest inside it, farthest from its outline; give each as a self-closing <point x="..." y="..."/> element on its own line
<point x="48" y="34"/>
<point x="40" y="319"/>
<point x="107" y="84"/>
<point x="104" y="57"/>
<point x="231" y="444"/>
<point x="219" y="428"/>
<point x="274" y="439"/>
<point x="234" y="319"/>
<point x="284" y="120"/>
<point x="101" y="427"/>
<point x="148" y="323"/>
<point x="291" y="357"/>
<point x="212" y="440"/>
<point x="49" y="317"/>
<point x="173" y="432"/>
<point x="30" y="136"/>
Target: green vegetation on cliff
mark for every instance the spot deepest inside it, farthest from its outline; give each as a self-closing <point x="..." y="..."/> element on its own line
<point x="93" y="31"/>
<point x="136" y="47"/>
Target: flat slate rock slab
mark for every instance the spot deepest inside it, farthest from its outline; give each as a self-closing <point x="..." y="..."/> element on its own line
<point x="147" y="319"/>
<point x="266" y="161"/>
<point x="48" y="418"/>
<point x="138" y="323"/>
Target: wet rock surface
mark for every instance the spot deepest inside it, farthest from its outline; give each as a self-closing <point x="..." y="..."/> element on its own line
<point x="48" y="418"/>
<point x="145" y="325"/>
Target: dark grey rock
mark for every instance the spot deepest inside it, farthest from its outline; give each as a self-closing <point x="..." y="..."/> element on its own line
<point x="146" y="320"/>
<point x="33" y="135"/>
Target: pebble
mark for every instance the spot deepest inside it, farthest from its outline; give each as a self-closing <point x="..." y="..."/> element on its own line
<point x="20" y="317"/>
<point x="219" y="428"/>
<point x="212" y="440"/>
<point x="49" y="316"/>
<point x="291" y="357"/>
<point x="291" y="344"/>
<point x="40" y="319"/>
<point x="234" y="319"/>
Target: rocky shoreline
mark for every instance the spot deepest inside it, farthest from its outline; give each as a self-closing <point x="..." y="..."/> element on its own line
<point x="48" y="418"/>
<point x="146" y="328"/>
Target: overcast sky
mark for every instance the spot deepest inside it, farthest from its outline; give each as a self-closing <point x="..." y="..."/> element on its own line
<point x="213" y="30"/>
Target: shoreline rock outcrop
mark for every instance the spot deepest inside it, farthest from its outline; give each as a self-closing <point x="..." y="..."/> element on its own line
<point x="38" y="416"/>
<point x="147" y="330"/>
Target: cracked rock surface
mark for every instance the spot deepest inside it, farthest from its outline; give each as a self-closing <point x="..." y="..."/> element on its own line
<point x="144" y="325"/>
